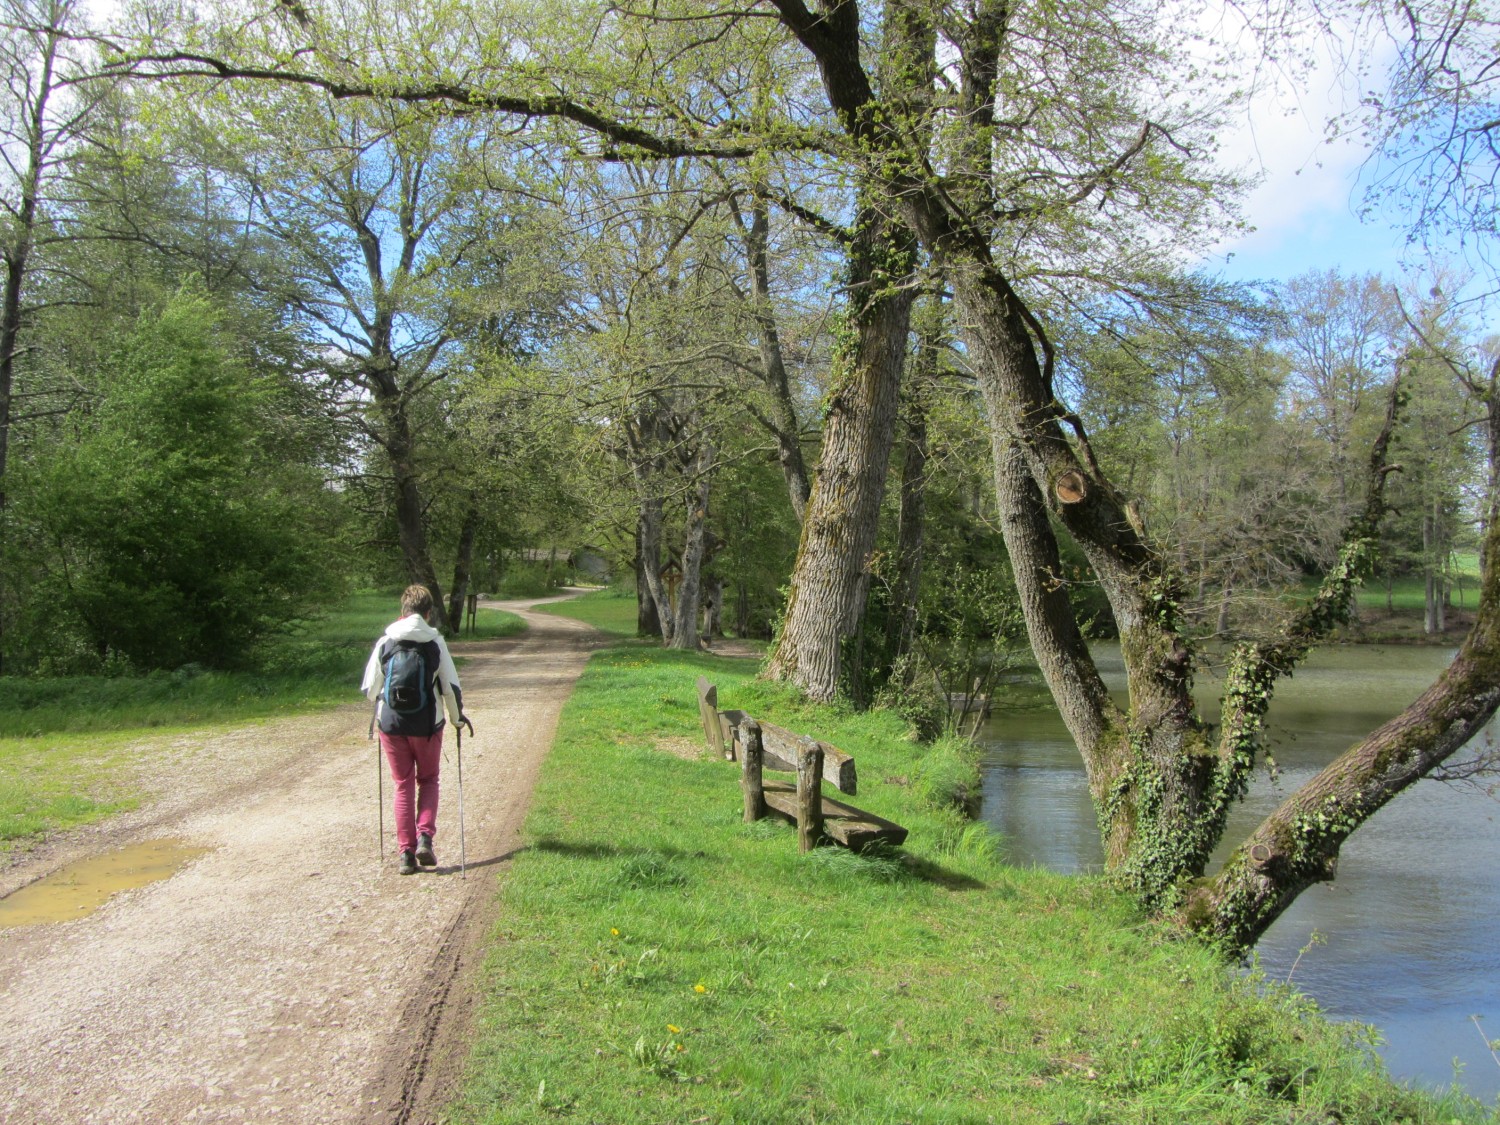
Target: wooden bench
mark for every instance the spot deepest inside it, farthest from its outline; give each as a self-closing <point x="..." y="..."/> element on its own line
<point x="778" y="744"/>
<point x="760" y="746"/>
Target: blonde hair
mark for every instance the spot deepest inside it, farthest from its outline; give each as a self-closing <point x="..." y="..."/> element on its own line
<point x="416" y="599"/>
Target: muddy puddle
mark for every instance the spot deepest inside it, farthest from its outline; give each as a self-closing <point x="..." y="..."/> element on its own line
<point x="79" y="889"/>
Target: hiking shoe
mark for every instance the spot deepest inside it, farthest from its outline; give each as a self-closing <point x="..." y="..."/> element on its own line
<point x="408" y="864"/>
<point x="425" y="855"/>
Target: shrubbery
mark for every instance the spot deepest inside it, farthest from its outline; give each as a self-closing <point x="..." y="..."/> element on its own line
<point x="184" y="518"/>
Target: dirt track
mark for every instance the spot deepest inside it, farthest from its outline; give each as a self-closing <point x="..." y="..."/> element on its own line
<point x="287" y="974"/>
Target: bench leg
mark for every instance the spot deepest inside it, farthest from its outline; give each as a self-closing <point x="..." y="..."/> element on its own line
<point x="809" y="795"/>
<point x="750" y="770"/>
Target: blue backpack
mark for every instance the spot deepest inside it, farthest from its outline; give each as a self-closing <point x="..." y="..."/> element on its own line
<point x="407" y="681"/>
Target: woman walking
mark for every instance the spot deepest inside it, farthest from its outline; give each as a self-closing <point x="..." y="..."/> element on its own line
<point x="411" y="680"/>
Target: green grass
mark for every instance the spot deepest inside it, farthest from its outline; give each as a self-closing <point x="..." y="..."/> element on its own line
<point x="63" y="741"/>
<point x="660" y="961"/>
<point x="1408" y="595"/>
<point x="610" y="610"/>
<point x="36" y="800"/>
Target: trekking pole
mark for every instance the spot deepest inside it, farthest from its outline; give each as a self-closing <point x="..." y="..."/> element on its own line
<point x="379" y="787"/>
<point x="463" y="856"/>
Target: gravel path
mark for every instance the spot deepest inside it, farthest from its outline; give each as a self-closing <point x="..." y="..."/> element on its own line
<point x="287" y="974"/>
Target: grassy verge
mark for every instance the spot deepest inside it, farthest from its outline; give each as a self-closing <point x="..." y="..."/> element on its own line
<point x="609" y="610"/>
<point x="662" y="962"/>
<point x="1394" y="615"/>
<point x="64" y="741"/>
<point x="53" y="782"/>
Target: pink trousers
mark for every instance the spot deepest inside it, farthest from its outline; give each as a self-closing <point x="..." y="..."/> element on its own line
<point x="414" y="768"/>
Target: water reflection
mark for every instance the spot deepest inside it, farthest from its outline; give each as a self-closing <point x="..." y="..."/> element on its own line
<point x="1409" y="925"/>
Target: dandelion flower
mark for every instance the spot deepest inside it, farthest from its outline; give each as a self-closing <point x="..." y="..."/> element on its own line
<point x="613" y="932"/>
<point x="673" y="1028"/>
<point x="699" y="988"/>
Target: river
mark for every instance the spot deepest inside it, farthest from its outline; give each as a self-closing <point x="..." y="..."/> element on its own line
<point x="1407" y="935"/>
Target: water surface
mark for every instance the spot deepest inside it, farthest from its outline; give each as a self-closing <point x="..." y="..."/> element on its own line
<point x="80" y="888"/>
<point x="1408" y="934"/>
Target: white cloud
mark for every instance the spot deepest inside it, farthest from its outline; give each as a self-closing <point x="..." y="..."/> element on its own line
<point x="1304" y="211"/>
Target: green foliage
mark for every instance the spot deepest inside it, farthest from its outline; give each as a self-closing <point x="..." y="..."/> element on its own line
<point x="753" y="518"/>
<point x="967" y="620"/>
<point x="969" y="626"/>
<point x="182" y="522"/>
<point x="527" y="580"/>
<point x="1442" y="468"/>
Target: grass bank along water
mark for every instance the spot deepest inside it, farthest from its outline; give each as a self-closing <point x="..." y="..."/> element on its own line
<point x="660" y="961"/>
<point x="70" y="746"/>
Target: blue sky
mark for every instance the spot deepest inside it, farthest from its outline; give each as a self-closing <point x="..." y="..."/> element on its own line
<point x="1306" y="215"/>
<point x="1318" y="232"/>
<point x="1305" y="210"/>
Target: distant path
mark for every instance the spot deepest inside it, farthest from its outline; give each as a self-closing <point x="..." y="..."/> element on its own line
<point x="287" y="975"/>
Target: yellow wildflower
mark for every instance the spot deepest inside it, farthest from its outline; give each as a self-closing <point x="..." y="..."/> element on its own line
<point x="673" y="1028"/>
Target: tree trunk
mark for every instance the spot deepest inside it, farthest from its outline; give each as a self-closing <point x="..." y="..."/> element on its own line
<point x="1160" y="789"/>
<point x="463" y="564"/>
<point x="10" y="331"/>
<point x="1429" y="574"/>
<point x="16" y="257"/>
<point x="911" y="522"/>
<point x="741" y="611"/>
<point x="713" y="608"/>
<point x="649" y="522"/>
<point x="17" y="251"/>
<point x="784" y="425"/>
<point x="411" y="523"/>
<point x="685" y="626"/>
<point x="647" y="619"/>
<point x="1298" y="844"/>
<point x="838" y="533"/>
<point x="1062" y="654"/>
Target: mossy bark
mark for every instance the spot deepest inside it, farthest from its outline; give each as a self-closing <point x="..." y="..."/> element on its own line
<point x="1162" y="785"/>
<point x="830" y="578"/>
<point x="827" y="591"/>
<point x="1147" y="766"/>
